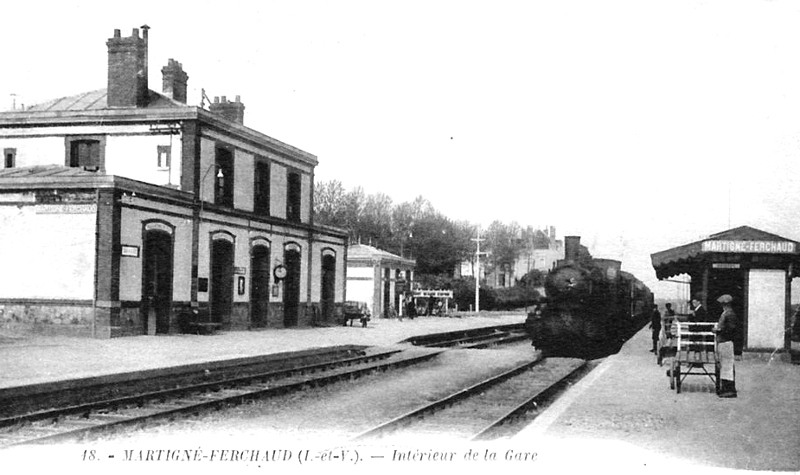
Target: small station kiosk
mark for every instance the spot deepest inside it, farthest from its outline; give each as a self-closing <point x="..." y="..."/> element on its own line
<point x="754" y="267"/>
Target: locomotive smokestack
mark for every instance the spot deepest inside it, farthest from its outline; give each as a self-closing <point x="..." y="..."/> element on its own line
<point x="571" y="246"/>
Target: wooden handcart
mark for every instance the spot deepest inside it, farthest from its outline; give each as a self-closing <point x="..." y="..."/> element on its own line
<point x="355" y="311"/>
<point x="695" y="353"/>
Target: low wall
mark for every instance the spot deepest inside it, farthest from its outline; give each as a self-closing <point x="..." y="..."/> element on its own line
<point x="47" y="318"/>
<point x="77" y="318"/>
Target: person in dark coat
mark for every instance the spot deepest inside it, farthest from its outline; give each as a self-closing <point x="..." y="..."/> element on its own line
<point x="411" y="307"/>
<point x="698" y="313"/>
<point x="725" y="329"/>
<point x="655" y="326"/>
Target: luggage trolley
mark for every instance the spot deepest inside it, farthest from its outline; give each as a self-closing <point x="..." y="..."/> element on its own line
<point x="695" y="350"/>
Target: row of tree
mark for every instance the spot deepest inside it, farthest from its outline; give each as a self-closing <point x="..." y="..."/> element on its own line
<point x="417" y="230"/>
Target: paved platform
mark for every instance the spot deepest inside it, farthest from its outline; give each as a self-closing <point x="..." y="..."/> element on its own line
<point x="623" y="415"/>
<point x="36" y="360"/>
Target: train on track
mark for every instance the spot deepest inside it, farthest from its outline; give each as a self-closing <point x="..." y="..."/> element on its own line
<point x="591" y="306"/>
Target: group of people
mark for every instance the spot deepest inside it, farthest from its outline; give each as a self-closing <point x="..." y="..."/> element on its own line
<point x="410" y="310"/>
<point x="725" y="328"/>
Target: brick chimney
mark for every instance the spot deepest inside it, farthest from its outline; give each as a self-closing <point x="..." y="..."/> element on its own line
<point x="572" y="245"/>
<point x="127" y="70"/>
<point x="233" y="111"/>
<point x="174" y="81"/>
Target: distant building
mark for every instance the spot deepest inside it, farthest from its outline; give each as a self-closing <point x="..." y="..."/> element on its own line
<point x="124" y="209"/>
<point x="378" y="278"/>
<point x="541" y="252"/>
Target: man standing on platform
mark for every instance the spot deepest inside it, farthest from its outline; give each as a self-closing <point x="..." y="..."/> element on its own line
<point x="655" y="326"/>
<point x="698" y="312"/>
<point x="726" y="332"/>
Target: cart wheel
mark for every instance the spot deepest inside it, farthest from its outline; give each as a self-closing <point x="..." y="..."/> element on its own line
<point x="672" y="376"/>
<point x="717" y="372"/>
<point x="678" y="378"/>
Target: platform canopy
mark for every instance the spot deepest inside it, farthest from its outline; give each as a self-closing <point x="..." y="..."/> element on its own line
<point x="742" y="240"/>
<point x="369" y="255"/>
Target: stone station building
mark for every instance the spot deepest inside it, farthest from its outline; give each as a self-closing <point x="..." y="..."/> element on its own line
<point x="126" y="212"/>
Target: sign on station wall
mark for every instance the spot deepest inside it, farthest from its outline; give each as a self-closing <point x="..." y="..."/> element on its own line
<point x="765" y="247"/>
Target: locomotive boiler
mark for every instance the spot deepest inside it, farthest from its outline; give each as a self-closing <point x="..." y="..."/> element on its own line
<point x="591" y="306"/>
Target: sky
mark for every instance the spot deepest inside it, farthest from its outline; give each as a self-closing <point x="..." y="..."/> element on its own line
<point x="638" y="125"/>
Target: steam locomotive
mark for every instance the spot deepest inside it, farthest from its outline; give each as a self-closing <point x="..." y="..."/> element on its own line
<point x="591" y="307"/>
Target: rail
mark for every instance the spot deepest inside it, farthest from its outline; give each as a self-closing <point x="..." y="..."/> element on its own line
<point x="85" y="419"/>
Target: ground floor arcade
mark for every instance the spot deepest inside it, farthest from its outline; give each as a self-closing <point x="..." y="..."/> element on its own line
<point x="105" y="256"/>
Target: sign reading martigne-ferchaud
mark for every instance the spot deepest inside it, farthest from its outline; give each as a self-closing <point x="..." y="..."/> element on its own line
<point x="774" y="247"/>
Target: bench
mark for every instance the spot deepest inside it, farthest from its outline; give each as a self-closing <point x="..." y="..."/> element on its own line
<point x="198" y="321"/>
<point x="204" y="328"/>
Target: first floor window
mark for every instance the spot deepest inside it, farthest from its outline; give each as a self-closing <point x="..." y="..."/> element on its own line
<point x="85" y="154"/>
<point x="10" y="155"/>
<point x="223" y="189"/>
<point x="293" y="197"/>
<point x="261" y="185"/>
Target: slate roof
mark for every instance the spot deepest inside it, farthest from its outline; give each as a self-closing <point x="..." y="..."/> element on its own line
<point x="97" y="100"/>
<point x="51" y="171"/>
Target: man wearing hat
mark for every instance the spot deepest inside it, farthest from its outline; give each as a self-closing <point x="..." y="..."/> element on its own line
<point x="697" y="311"/>
<point x="726" y="332"/>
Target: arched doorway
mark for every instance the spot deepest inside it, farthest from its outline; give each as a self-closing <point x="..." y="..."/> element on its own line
<point x="221" y="279"/>
<point x="157" y="269"/>
<point x="259" y="285"/>
<point x="291" y="285"/>
<point x="328" y="285"/>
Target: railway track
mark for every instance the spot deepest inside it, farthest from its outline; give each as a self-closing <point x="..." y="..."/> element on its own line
<point x="491" y="409"/>
<point x="75" y="422"/>
<point x="146" y="399"/>
<point x="473" y="338"/>
<point x="41" y="396"/>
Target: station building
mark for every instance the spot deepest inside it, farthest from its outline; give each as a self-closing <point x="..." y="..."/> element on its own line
<point x="378" y="278"/>
<point x="124" y="210"/>
<point x="755" y="267"/>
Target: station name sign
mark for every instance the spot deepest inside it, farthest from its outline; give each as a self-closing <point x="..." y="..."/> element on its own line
<point x="434" y="293"/>
<point x="767" y="247"/>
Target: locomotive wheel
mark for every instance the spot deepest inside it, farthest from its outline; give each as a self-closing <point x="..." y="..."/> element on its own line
<point x="678" y="378"/>
<point x="672" y="376"/>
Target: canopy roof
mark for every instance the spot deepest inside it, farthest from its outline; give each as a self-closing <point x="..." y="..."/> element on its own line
<point x="741" y="240"/>
<point x="371" y="255"/>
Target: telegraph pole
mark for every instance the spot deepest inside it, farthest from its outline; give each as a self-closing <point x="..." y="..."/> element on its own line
<point x="478" y="270"/>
